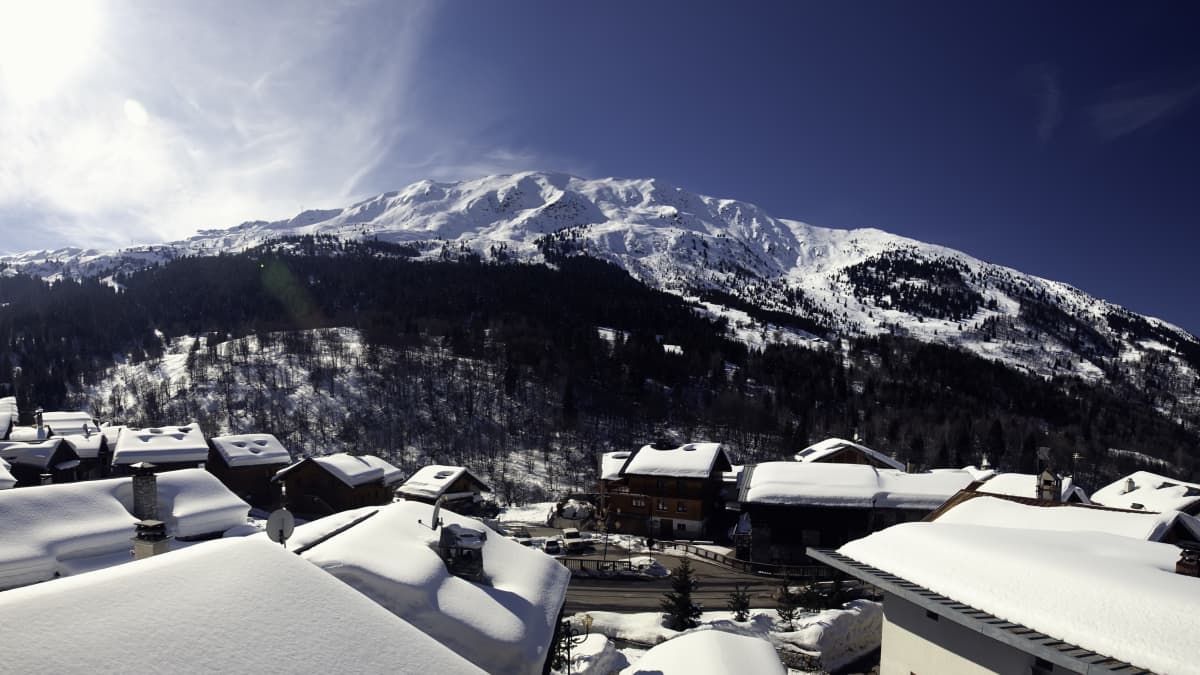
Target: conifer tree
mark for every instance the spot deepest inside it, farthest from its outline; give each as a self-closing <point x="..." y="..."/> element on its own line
<point x="678" y="609"/>
<point x="739" y="602"/>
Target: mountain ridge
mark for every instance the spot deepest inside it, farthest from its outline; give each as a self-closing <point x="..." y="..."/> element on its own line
<point x="729" y="256"/>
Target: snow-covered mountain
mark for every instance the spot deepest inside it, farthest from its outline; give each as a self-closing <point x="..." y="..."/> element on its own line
<point x="738" y="261"/>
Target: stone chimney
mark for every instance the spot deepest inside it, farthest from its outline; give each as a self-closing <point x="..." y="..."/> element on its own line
<point x="145" y="491"/>
<point x="151" y="539"/>
<point x="1049" y="487"/>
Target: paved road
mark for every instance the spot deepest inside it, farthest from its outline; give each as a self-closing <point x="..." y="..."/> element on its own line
<point x="621" y="595"/>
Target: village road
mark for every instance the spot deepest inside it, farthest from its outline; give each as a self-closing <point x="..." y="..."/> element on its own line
<point x="620" y="595"/>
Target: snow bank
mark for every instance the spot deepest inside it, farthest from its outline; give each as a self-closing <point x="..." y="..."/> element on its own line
<point x="691" y="460"/>
<point x="239" y="605"/>
<point x="506" y="626"/>
<point x="1149" y="491"/>
<point x="819" y="451"/>
<point x="1103" y="592"/>
<point x="597" y="656"/>
<point x="849" y="485"/>
<point x="838" y="636"/>
<point x="251" y="450"/>
<point x="192" y="502"/>
<point x="538" y="513"/>
<point x="709" y="651"/>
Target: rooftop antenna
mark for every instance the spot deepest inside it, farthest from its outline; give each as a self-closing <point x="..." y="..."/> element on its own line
<point x="437" y="510"/>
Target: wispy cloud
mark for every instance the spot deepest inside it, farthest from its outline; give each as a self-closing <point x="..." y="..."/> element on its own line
<point x="1042" y="81"/>
<point x="159" y="119"/>
<point x="1135" y="106"/>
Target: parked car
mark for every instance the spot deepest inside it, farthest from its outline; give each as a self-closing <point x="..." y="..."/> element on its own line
<point x="552" y="547"/>
<point x="573" y="540"/>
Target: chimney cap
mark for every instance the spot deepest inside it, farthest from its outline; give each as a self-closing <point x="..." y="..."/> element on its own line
<point x="143" y="468"/>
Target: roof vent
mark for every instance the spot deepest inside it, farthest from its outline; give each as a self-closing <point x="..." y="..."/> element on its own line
<point x="620" y="455"/>
<point x="690" y="447"/>
<point x="1138" y="506"/>
<point x="442" y="475"/>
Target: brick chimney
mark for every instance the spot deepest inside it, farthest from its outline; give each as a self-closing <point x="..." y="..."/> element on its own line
<point x="145" y="491"/>
<point x="1049" y="486"/>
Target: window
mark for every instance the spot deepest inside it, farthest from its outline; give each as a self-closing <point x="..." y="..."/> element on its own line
<point x="662" y="505"/>
<point x="639" y="501"/>
<point x="660" y="483"/>
<point x="681" y="527"/>
<point x="681" y="507"/>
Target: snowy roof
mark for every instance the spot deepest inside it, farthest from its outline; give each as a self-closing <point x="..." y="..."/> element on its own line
<point x="709" y="651"/>
<point x="691" y="460"/>
<point x="353" y="470"/>
<point x="112" y="434"/>
<point x="611" y="463"/>
<point x="432" y="481"/>
<point x="849" y="485"/>
<point x="27" y="434"/>
<point x="64" y="423"/>
<point x="1103" y="592"/>
<point x="236" y="605"/>
<point x="251" y="450"/>
<point x="504" y="626"/>
<point x="161" y="445"/>
<point x="37" y="454"/>
<point x="6" y="477"/>
<point x="1151" y="492"/>
<point x="8" y="409"/>
<point x="1025" y="485"/>
<point x="819" y="451"/>
<point x="86" y="446"/>
<point x="998" y="512"/>
<point x="43" y="528"/>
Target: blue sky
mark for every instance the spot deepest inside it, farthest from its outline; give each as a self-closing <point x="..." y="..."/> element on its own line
<point x="1062" y="139"/>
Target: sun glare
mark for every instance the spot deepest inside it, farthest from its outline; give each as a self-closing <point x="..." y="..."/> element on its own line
<point x="43" y="44"/>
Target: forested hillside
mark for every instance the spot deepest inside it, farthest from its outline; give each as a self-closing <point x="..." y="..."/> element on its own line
<point x="461" y="360"/>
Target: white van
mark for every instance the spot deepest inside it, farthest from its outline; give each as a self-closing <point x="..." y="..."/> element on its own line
<point x="572" y="540"/>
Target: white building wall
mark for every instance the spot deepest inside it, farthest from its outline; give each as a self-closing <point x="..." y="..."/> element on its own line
<point x="915" y="644"/>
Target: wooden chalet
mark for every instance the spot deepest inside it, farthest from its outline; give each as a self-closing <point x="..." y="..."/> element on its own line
<point x="841" y="451"/>
<point x="319" y="486"/>
<point x="664" y="492"/>
<point x="460" y="490"/>
<point x="95" y="454"/>
<point x="167" y="448"/>
<point x="785" y="507"/>
<point x="247" y="464"/>
<point x="40" y="462"/>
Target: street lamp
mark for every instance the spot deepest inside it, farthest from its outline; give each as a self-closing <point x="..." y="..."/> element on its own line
<point x="569" y="636"/>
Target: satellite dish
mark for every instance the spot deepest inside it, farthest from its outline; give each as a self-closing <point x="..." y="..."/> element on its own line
<point x="280" y="525"/>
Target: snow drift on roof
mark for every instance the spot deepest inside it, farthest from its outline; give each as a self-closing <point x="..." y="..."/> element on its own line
<point x="819" y="451"/>
<point x="251" y="450"/>
<point x="691" y="460"/>
<point x="709" y="651"/>
<point x="8" y="411"/>
<point x="432" y="481"/>
<point x="995" y="512"/>
<point x="354" y="470"/>
<point x="86" y="446"/>
<point x="75" y="422"/>
<point x="849" y="485"/>
<point x="241" y="605"/>
<point x="44" y="527"/>
<point x="1151" y="491"/>
<point x="1025" y="485"/>
<point x="391" y="558"/>
<point x="6" y="478"/>
<point x="161" y="445"/>
<point x="36" y="454"/>
<point x="1104" y="592"/>
<point x="611" y="463"/>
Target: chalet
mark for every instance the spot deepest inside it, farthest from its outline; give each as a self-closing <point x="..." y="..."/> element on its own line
<point x="95" y="454"/>
<point x="460" y="490"/>
<point x="1145" y="491"/>
<point x="325" y="485"/>
<point x="964" y="598"/>
<point x="167" y="448"/>
<point x="665" y="492"/>
<point x="54" y="423"/>
<point x="502" y="620"/>
<point x="230" y="606"/>
<point x="40" y="462"/>
<point x="1027" y="485"/>
<point x="247" y="463"/>
<point x="840" y="451"/>
<point x="788" y="506"/>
